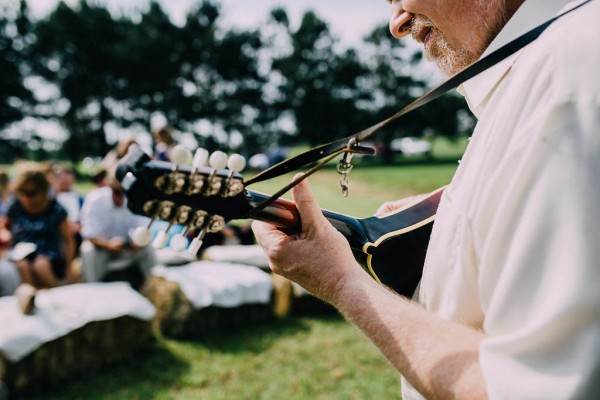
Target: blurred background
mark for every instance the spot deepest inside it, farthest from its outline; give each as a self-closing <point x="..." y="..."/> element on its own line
<point x="77" y="77"/>
<point x="263" y="78"/>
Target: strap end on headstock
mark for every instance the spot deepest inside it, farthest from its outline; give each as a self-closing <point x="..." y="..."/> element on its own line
<point x="365" y="150"/>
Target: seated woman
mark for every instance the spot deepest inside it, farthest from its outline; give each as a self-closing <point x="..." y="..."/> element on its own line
<point x="35" y="217"/>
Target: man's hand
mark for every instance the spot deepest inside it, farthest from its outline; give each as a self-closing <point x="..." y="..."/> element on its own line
<point x="440" y="358"/>
<point x="319" y="258"/>
<point x="391" y="206"/>
<point x="116" y="244"/>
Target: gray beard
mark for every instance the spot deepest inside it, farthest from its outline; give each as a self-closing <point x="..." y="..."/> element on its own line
<point x="451" y="60"/>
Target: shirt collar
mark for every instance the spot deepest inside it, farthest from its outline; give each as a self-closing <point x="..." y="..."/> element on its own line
<point x="531" y="14"/>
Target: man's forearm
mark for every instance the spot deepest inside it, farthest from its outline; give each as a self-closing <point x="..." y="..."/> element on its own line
<point x="439" y="358"/>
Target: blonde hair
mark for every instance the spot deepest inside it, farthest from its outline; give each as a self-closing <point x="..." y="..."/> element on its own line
<point x="165" y="134"/>
<point x="34" y="175"/>
<point x="4" y="184"/>
<point x="123" y="147"/>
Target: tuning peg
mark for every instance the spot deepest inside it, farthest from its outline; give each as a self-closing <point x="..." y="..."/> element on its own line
<point x="180" y="155"/>
<point x="160" y="240"/>
<point x="218" y="160"/>
<point x="236" y="162"/>
<point x="196" y="244"/>
<point x="175" y="182"/>
<point x="141" y="236"/>
<point x="233" y="186"/>
<point x="178" y="242"/>
<point x="200" y="158"/>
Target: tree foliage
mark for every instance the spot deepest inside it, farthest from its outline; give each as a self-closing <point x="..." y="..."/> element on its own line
<point x="241" y="89"/>
<point x="14" y="95"/>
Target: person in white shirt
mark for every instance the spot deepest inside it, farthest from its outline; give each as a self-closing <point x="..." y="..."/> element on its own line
<point x="63" y="189"/>
<point x="509" y="303"/>
<point x="106" y="224"/>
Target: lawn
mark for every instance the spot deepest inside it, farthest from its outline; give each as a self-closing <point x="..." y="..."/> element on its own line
<point x="293" y="358"/>
<point x="372" y="183"/>
<point x="370" y="186"/>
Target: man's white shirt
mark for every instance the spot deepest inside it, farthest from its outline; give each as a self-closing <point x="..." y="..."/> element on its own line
<point x="515" y="248"/>
<point x="101" y="218"/>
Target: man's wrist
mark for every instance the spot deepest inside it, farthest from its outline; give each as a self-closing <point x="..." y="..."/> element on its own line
<point x="351" y="287"/>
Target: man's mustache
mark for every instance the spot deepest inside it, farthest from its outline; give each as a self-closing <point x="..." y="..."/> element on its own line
<point x="420" y="24"/>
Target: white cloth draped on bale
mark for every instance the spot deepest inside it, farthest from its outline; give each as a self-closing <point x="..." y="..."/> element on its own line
<point x="62" y="310"/>
<point x="227" y="285"/>
<point x="243" y="254"/>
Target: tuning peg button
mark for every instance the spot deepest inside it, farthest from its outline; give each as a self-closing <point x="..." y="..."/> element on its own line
<point x="178" y="242"/>
<point x="218" y="160"/>
<point x="141" y="236"/>
<point x="180" y="155"/>
<point x="200" y="158"/>
<point x="195" y="246"/>
<point x="236" y="162"/>
<point x="160" y="240"/>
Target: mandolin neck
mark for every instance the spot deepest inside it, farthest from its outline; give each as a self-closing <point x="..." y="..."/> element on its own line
<point x="283" y="214"/>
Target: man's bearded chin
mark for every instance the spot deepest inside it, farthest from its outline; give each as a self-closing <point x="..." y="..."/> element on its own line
<point x="449" y="60"/>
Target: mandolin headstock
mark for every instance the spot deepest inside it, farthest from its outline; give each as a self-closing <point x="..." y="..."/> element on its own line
<point x="201" y="193"/>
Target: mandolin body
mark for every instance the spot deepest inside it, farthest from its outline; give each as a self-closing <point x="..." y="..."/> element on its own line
<point x="391" y="248"/>
<point x="397" y="259"/>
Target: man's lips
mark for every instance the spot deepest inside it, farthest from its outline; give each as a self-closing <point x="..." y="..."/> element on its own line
<point x="422" y="35"/>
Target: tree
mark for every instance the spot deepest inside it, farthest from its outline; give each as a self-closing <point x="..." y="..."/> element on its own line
<point x="73" y="52"/>
<point x="320" y="85"/>
<point x="240" y="89"/>
<point x="392" y="85"/>
<point x="14" y="96"/>
<point x="224" y="82"/>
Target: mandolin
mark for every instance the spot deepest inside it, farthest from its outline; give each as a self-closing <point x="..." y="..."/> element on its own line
<point x="203" y="199"/>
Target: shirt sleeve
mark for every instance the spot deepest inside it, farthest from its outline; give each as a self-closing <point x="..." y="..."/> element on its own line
<point x="92" y="222"/>
<point x="61" y="212"/>
<point x="11" y="210"/>
<point x="540" y="267"/>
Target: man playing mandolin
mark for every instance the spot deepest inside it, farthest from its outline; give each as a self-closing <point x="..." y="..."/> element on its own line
<point x="509" y="302"/>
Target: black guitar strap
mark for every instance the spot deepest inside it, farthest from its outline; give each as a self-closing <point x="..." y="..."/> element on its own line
<point x="351" y="144"/>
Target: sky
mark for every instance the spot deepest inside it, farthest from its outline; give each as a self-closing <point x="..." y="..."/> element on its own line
<point x="350" y="20"/>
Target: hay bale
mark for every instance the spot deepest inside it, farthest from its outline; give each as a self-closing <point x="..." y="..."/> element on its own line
<point x="291" y="299"/>
<point x="177" y="315"/>
<point x="83" y="351"/>
<point x="239" y="254"/>
<point x="74" y="329"/>
<point x="173" y="309"/>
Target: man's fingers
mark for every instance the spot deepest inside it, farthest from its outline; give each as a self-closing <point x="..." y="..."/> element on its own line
<point x="310" y="212"/>
<point x="261" y="227"/>
<point x="265" y="233"/>
<point x="384" y="209"/>
<point x="271" y="240"/>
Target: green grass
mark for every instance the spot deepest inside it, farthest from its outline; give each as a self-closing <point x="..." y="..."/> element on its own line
<point x="293" y="358"/>
<point x="372" y="183"/>
<point x="370" y="186"/>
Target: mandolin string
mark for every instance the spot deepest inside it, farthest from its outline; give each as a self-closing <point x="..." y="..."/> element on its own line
<point x="264" y="204"/>
<point x="333" y="149"/>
